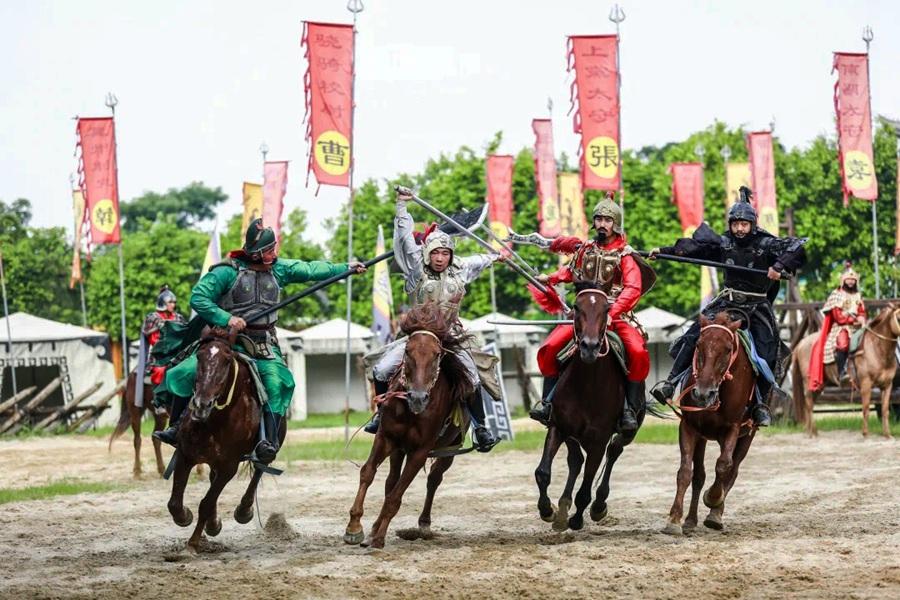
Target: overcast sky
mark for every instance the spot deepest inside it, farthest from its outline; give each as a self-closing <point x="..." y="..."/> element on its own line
<point x="201" y="84"/>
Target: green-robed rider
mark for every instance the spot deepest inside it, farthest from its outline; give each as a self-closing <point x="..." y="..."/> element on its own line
<point x="250" y="280"/>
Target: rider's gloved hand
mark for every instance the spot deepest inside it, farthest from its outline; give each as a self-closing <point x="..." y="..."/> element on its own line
<point x="237" y="324"/>
<point x="357" y="267"/>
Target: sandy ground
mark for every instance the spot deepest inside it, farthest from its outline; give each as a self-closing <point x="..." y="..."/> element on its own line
<point x="808" y="518"/>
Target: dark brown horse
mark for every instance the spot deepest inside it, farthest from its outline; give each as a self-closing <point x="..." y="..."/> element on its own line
<point x="220" y="429"/>
<point x="416" y="418"/>
<point x="587" y="405"/>
<point x="131" y="414"/>
<point x="713" y="407"/>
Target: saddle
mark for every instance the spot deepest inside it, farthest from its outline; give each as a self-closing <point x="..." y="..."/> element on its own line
<point x="615" y="344"/>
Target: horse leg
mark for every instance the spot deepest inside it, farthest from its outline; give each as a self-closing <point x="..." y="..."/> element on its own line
<point x="715" y="495"/>
<point x="134" y="415"/>
<point x="687" y="442"/>
<point x="396" y="465"/>
<point x="207" y="519"/>
<point x="614" y="450"/>
<point x="381" y="448"/>
<point x="809" y="398"/>
<point x="714" y="518"/>
<point x="414" y="463"/>
<point x="586" y="491"/>
<point x="435" y="477"/>
<point x="865" y="396"/>
<point x="158" y="425"/>
<point x="180" y="514"/>
<point x="552" y="442"/>
<point x="697" y="481"/>
<point x="243" y="513"/>
<point x="574" y="459"/>
<point x="886" y="410"/>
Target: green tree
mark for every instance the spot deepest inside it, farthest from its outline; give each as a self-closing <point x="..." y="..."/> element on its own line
<point x="187" y="206"/>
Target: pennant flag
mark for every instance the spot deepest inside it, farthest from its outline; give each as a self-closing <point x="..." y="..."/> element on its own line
<point x="499" y="195"/>
<point x="382" y="296"/>
<point x="572" y="219"/>
<point x="687" y="194"/>
<point x="854" y="121"/>
<point x="328" y="86"/>
<point x="213" y="252"/>
<point x="97" y="177"/>
<point x="595" y="101"/>
<point x="274" y="188"/>
<point x="737" y="174"/>
<point x="78" y="214"/>
<point x="762" y="172"/>
<point x="545" y="178"/>
<point x="253" y="204"/>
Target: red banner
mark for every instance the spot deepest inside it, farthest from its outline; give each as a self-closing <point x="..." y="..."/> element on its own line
<point x="274" y="188"/>
<point x="687" y="194"/>
<point x="97" y="172"/>
<point x="499" y="172"/>
<point x="854" y="122"/>
<point x="595" y="101"/>
<point x="762" y="177"/>
<point x="545" y="178"/>
<point x="328" y="85"/>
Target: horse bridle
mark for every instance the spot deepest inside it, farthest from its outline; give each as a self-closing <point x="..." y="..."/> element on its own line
<point x="223" y="405"/>
<point x="605" y="342"/>
<point x="726" y="376"/>
<point x="437" y="370"/>
<point x="894" y="321"/>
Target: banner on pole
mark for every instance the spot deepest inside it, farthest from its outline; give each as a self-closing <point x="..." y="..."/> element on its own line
<point x="328" y="87"/>
<point x="762" y="174"/>
<point x="572" y="219"/>
<point x="595" y="102"/>
<point x="687" y="194"/>
<point x="253" y="204"/>
<point x="499" y="172"/>
<point x="78" y="216"/>
<point x="97" y="178"/>
<point x="274" y="188"/>
<point x="213" y="252"/>
<point x="545" y="178"/>
<point x="854" y="121"/>
<point x="382" y="296"/>
<point x="737" y="174"/>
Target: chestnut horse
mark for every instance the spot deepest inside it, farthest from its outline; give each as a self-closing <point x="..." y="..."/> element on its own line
<point x="714" y="406"/>
<point x="874" y="365"/>
<point x="587" y="405"/>
<point x="416" y="418"/>
<point x="131" y="414"/>
<point x="221" y="429"/>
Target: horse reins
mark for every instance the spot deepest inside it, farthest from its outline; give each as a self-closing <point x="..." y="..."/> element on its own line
<point x="230" y="397"/>
<point x="884" y="337"/>
<point x="401" y="373"/>
<point x="605" y="342"/>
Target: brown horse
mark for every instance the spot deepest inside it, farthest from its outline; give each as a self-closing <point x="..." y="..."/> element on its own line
<point x="416" y="418"/>
<point x="874" y="365"/>
<point x="587" y="405"/>
<point x="220" y="429"/>
<point x="131" y="414"/>
<point x="714" y="406"/>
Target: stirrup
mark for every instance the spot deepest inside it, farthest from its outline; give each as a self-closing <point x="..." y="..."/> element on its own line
<point x="167" y="436"/>
<point x="663" y="391"/>
<point x="264" y="452"/>
<point x="373" y="424"/>
<point x="484" y="445"/>
<point x="541" y="412"/>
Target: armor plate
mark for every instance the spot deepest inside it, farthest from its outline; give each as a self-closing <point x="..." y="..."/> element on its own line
<point x="439" y="288"/>
<point x="602" y="268"/>
<point x="251" y="292"/>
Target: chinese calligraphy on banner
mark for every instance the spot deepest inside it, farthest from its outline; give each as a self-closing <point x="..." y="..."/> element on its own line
<point x="328" y="85"/>
<point x="545" y="177"/>
<point x="854" y="122"/>
<point x="595" y="100"/>
<point x="274" y="188"/>
<point x="253" y="204"/>
<point x="382" y="295"/>
<point x="687" y="194"/>
<point x="762" y="173"/>
<point x="572" y="219"/>
<point x="499" y="194"/>
<point x="97" y="168"/>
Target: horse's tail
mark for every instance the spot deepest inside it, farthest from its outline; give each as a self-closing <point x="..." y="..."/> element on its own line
<point x="124" y="419"/>
<point x="799" y="399"/>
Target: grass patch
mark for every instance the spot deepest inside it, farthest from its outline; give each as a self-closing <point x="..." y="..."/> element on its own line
<point x="65" y="487"/>
<point x="321" y="420"/>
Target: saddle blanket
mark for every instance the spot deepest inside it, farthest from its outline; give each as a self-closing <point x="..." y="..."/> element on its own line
<point x="615" y="344"/>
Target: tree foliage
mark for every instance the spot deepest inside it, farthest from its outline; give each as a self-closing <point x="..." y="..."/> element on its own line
<point x="186" y="207"/>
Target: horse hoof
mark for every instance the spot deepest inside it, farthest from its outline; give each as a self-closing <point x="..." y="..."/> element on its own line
<point x="354" y="538"/>
<point x="561" y="516"/>
<point x="598" y="514"/>
<point x="425" y="532"/>
<point x="187" y="520"/>
<point x="672" y="529"/>
<point x="212" y="528"/>
<point x="709" y="503"/>
<point x="714" y="522"/>
<point x="576" y="522"/>
<point x="689" y="526"/>
<point x="371" y="542"/>
<point x="243" y="516"/>
<point x="547" y="515"/>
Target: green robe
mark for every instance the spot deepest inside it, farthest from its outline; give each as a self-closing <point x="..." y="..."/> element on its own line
<point x="276" y="377"/>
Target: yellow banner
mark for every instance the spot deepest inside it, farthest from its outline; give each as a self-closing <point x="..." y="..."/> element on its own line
<point x="78" y="216"/>
<point x="572" y="219"/>
<point x="736" y="175"/>
<point x="253" y="204"/>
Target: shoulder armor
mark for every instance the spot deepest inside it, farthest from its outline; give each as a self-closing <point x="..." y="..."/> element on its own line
<point x="229" y="262"/>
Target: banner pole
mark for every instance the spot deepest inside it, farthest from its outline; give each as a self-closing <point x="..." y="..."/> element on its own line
<point x="12" y="367"/>
<point x="867" y="37"/>
<point x="111" y="102"/>
<point x="617" y="15"/>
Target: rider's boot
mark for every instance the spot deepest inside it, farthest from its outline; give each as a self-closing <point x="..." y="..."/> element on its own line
<point x="760" y="412"/>
<point x="482" y="437"/>
<point x="168" y="435"/>
<point x="840" y="357"/>
<point x="267" y="448"/>
<point x="541" y="412"/>
<point x="381" y="387"/>
<point x="634" y="401"/>
<point x="664" y="390"/>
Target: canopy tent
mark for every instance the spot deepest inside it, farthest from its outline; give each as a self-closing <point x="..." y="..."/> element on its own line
<point x="43" y="350"/>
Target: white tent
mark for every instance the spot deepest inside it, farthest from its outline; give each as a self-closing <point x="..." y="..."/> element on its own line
<point x="43" y="350"/>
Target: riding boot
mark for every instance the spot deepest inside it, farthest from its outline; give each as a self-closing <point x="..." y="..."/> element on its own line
<point x="840" y="357"/>
<point x="634" y="401"/>
<point x="482" y="437"/>
<point x="541" y="412"/>
<point x="381" y="387"/>
<point x="664" y="390"/>
<point x="267" y="447"/>
<point x="168" y="435"/>
<point x="760" y="412"/>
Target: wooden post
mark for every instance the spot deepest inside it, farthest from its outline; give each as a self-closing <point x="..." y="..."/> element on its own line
<point x="65" y="411"/>
<point x="11" y="402"/>
<point x="94" y="411"/>
<point x="12" y="425"/>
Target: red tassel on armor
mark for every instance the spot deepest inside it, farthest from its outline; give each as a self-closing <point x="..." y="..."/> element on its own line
<point x="549" y="301"/>
<point x="565" y="245"/>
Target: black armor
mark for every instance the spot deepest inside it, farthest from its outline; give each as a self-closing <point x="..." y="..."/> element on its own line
<point x="252" y="291"/>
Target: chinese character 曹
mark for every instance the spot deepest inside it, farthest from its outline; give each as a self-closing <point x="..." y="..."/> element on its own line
<point x="333" y="152"/>
<point x="857" y="169"/>
<point x="604" y="156"/>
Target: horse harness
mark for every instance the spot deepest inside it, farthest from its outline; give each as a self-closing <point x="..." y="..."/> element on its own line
<point x="605" y="342"/>
<point x="223" y="405"/>
<point x="896" y="322"/>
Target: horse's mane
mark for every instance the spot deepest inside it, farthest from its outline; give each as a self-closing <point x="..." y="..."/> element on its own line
<point x="212" y="333"/>
<point x="882" y="315"/>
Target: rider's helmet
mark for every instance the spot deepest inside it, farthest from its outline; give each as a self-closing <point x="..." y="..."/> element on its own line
<point x="609" y="208"/>
<point x="436" y="239"/>
<point x="258" y="239"/>
<point x="742" y="210"/>
<point x="165" y="296"/>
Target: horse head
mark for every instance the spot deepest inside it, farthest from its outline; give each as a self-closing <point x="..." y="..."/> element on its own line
<point x="590" y="318"/>
<point x="714" y="356"/>
<point x="214" y="371"/>
<point x="427" y="326"/>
